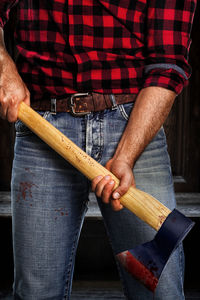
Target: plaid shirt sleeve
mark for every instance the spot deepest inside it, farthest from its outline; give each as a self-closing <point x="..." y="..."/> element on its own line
<point x="168" y="42"/>
<point x="5" y="7"/>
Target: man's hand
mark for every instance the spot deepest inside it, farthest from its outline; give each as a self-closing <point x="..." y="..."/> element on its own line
<point x="151" y="109"/>
<point x="12" y="88"/>
<point x="103" y="186"/>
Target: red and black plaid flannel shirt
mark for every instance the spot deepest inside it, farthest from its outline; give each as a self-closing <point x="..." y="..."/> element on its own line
<point x="106" y="46"/>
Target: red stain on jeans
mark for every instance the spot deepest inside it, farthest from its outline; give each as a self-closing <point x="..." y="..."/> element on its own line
<point x="25" y="191"/>
<point x="62" y="212"/>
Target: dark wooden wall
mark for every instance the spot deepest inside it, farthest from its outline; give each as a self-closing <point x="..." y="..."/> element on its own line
<point x="183" y="124"/>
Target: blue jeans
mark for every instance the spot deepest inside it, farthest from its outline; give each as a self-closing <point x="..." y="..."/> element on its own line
<point x="49" y="202"/>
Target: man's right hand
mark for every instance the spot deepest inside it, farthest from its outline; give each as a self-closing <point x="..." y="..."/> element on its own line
<point x="12" y="89"/>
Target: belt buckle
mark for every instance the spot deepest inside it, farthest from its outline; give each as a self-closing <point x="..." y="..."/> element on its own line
<point x="72" y="104"/>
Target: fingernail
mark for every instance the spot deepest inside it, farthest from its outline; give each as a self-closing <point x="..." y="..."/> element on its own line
<point x="111" y="182"/>
<point x="100" y="177"/>
<point x="107" y="177"/>
<point x="116" y="195"/>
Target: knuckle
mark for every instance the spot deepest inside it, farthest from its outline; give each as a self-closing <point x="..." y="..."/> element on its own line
<point x="115" y="205"/>
<point x="3" y="101"/>
<point x="124" y="186"/>
<point x="95" y="182"/>
<point x="122" y="191"/>
<point x="106" y="193"/>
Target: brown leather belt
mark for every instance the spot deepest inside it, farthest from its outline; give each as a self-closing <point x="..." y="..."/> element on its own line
<point x="83" y="103"/>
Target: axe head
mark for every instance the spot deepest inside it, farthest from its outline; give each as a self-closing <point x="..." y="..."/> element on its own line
<point x="146" y="262"/>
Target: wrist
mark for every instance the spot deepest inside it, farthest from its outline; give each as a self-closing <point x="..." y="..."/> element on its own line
<point x="126" y="157"/>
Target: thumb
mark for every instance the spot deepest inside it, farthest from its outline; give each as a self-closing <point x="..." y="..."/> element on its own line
<point x="123" y="187"/>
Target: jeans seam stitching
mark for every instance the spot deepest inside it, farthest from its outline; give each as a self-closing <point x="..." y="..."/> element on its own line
<point x="70" y="265"/>
<point x="101" y="146"/>
<point x="123" y="112"/>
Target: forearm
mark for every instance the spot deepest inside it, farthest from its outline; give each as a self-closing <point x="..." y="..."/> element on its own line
<point x="12" y="88"/>
<point x="151" y="109"/>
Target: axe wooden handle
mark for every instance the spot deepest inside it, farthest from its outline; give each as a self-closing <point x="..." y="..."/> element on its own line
<point x="143" y="205"/>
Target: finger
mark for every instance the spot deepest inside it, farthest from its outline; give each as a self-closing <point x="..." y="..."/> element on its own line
<point x="107" y="191"/>
<point x="3" y="107"/>
<point x="25" y="100"/>
<point x="101" y="184"/>
<point x="125" y="182"/>
<point x="95" y="181"/>
<point x="116" y="205"/>
<point x="12" y="110"/>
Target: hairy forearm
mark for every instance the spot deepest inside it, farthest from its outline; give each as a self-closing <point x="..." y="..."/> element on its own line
<point x="150" y="111"/>
<point x="12" y="88"/>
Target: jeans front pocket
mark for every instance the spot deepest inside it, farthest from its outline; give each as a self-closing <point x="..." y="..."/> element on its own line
<point x="125" y="110"/>
<point x="22" y="130"/>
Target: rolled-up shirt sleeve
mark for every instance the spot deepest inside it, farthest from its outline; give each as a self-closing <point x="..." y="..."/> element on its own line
<point x="169" y="24"/>
<point x="5" y="7"/>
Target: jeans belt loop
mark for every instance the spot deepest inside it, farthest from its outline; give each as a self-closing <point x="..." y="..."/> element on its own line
<point x="114" y="103"/>
<point x="72" y="104"/>
<point x="53" y="106"/>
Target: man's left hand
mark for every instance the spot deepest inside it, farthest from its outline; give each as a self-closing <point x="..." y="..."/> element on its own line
<point x="103" y="186"/>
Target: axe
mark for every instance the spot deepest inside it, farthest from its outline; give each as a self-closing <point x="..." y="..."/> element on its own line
<point x="147" y="261"/>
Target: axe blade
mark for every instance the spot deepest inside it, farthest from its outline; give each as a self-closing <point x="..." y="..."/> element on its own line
<point x="146" y="262"/>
